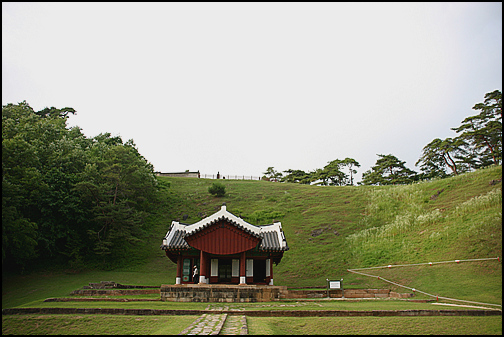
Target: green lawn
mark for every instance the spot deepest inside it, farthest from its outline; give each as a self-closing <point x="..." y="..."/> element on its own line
<point x="365" y="305"/>
<point x="94" y="325"/>
<point x="171" y="325"/>
<point x="375" y="325"/>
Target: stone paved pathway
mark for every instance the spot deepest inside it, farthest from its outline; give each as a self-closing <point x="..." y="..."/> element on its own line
<point x="235" y="325"/>
<point x="224" y="324"/>
<point x="206" y="324"/>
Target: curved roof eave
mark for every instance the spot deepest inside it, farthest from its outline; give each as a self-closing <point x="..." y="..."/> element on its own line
<point x="221" y="215"/>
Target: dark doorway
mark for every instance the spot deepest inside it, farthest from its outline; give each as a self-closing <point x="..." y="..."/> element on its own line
<point x="260" y="271"/>
<point x="225" y="271"/>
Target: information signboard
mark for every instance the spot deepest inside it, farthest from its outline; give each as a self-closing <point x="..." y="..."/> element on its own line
<point x="334" y="284"/>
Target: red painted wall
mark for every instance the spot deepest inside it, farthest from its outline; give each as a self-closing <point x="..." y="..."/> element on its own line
<point x="222" y="238"/>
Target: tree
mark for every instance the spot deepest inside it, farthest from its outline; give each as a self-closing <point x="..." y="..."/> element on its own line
<point x="350" y="163"/>
<point x="297" y="176"/>
<point x="119" y="186"/>
<point x="478" y="145"/>
<point x="484" y="130"/>
<point x="320" y="175"/>
<point x="331" y="174"/>
<point x="388" y="171"/>
<point x="40" y="158"/>
<point x="53" y="112"/>
<point x="272" y="175"/>
<point x="58" y="187"/>
<point x="439" y="154"/>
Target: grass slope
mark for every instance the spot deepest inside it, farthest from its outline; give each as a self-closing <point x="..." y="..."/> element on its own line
<point x="329" y="230"/>
<point x="332" y="229"/>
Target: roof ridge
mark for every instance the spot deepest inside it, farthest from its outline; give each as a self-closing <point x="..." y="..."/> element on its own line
<point x="223" y="213"/>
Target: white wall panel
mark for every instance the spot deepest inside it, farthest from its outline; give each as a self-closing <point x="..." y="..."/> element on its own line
<point x="235" y="268"/>
<point x="250" y="267"/>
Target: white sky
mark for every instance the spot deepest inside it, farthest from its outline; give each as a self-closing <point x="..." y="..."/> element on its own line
<point x="239" y="87"/>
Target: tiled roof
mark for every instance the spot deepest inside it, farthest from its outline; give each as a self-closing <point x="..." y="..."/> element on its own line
<point x="221" y="215"/>
<point x="177" y="240"/>
<point x="272" y="236"/>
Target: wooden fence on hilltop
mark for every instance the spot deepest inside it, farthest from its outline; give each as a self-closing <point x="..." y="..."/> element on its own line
<point x="229" y="176"/>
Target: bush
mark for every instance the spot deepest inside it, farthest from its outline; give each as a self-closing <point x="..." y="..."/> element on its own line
<point x="217" y="189"/>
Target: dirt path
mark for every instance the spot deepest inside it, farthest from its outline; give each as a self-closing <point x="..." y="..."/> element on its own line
<point x="466" y="306"/>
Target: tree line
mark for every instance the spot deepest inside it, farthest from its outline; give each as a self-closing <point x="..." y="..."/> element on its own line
<point x="478" y="144"/>
<point x="66" y="197"/>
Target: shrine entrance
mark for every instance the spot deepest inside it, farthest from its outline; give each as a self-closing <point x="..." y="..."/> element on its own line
<point x="225" y="271"/>
<point x="260" y="271"/>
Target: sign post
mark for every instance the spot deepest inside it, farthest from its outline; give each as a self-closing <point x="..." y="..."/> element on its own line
<point x="335" y="284"/>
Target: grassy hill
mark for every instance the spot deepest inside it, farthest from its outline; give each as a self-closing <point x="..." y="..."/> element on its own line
<point x="332" y="229"/>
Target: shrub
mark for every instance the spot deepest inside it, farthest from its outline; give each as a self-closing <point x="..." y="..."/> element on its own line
<point x="217" y="189"/>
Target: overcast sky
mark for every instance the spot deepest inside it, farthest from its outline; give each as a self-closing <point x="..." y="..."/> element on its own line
<point x="240" y="87"/>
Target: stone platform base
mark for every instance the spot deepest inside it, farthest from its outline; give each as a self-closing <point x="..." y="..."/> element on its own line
<point x="221" y="293"/>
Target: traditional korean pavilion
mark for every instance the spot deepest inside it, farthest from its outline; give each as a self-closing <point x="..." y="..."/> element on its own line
<point x="225" y="250"/>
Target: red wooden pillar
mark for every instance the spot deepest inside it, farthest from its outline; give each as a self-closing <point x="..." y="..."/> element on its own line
<point x="178" y="279"/>
<point x="203" y="267"/>
<point x="207" y="268"/>
<point x="243" y="279"/>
